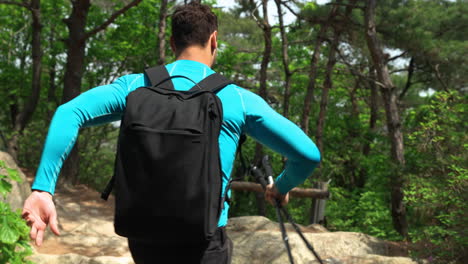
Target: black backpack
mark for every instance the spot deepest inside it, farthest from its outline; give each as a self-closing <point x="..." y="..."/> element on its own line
<point x="168" y="179"/>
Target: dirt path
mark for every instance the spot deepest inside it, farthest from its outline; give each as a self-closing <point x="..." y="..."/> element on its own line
<point x="85" y="223"/>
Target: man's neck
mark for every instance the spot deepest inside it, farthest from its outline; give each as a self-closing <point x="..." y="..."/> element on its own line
<point x="197" y="53"/>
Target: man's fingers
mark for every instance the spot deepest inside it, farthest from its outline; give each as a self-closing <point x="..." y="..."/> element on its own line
<point x="54" y="224"/>
<point x="29" y="222"/>
<point x="270" y="194"/>
<point x="39" y="237"/>
<point x="25" y="214"/>
<point x="33" y="232"/>
<point x="285" y="200"/>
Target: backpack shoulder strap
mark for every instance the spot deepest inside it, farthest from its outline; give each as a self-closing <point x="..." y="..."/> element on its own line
<point x="226" y="198"/>
<point x="213" y="83"/>
<point x="157" y="74"/>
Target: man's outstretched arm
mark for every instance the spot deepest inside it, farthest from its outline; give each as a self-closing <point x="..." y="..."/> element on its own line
<point x="273" y="130"/>
<point x="99" y="105"/>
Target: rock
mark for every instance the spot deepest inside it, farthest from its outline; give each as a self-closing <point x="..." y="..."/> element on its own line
<point x="20" y="191"/>
<point x="87" y="237"/>
<point x="75" y="258"/>
<point x="375" y="259"/>
<point x="258" y="240"/>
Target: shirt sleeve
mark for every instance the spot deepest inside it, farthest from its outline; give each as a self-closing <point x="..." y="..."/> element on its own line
<point x="275" y="131"/>
<point x="99" y="105"/>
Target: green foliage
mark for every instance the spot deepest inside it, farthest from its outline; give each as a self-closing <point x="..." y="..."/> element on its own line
<point x="14" y="233"/>
<point x="431" y="32"/>
<point x="100" y="142"/>
<point x="437" y="189"/>
<point x="364" y="210"/>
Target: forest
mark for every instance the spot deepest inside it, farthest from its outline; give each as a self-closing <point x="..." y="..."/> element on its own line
<point x="380" y="86"/>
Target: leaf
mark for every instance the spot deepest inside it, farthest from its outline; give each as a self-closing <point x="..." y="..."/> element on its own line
<point x="5" y="187"/>
<point x="8" y="234"/>
<point x="14" y="175"/>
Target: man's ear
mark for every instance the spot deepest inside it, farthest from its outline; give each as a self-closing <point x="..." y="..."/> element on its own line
<point x="214" y="41"/>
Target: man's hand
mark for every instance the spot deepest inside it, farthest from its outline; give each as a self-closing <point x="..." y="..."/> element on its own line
<point x="39" y="211"/>
<point x="272" y="194"/>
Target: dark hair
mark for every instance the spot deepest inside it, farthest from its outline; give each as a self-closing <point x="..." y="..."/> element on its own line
<point x="192" y="24"/>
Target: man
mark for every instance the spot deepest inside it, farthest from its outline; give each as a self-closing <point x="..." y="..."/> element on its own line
<point x="194" y="41"/>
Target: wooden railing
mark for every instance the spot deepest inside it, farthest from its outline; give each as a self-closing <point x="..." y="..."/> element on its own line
<point x="318" y="196"/>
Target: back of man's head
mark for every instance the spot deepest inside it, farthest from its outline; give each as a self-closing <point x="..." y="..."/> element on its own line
<point x="192" y="24"/>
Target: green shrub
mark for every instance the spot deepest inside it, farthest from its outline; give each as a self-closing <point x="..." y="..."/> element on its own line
<point x="14" y="233"/>
<point x="436" y="193"/>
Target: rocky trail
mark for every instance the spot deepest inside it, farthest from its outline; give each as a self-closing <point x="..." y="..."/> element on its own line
<point x="87" y="236"/>
<point x="87" y="231"/>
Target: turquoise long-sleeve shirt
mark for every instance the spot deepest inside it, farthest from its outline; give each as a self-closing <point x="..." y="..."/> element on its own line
<point x="244" y="112"/>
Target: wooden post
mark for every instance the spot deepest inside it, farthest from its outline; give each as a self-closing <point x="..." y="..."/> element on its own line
<point x="318" y="214"/>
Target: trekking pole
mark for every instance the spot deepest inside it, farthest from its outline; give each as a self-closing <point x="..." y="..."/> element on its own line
<point x="262" y="180"/>
<point x="298" y="230"/>
<point x="266" y="164"/>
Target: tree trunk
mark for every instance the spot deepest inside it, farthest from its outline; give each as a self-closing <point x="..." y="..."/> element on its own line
<point x="51" y="92"/>
<point x="74" y="68"/>
<point x="22" y="116"/>
<point x="373" y="104"/>
<point x="162" y="33"/>
<point x="357" y="173"/>
<point x="361" y="175"/>
<point x="285" y="56"/>
<point x="75" y="43"/>
<point x="264" y="24"/>
<point x="409" y="79"/>
<point x="327" y="85"/>
<point x="3" y="138"/>
<point x="32" y="101"/>
<point x="390" y="98"/>
<point x="12" y="144"/>
<point x="313" y="70"/>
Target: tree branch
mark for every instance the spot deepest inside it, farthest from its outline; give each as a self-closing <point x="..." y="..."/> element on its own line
<point x="291" y="10"/>
<point x="5" y="143"/>
<point x="439" y="77"/>
<point x="354" y="71"/>
<point x="312" y="21"/>
<point x="347" y="5"/>
<point x="256" y="16"/>
<point x="23" y="4"/>
<point x="397" y="56"/>
<point x="399" y="70"/>
<point x="409" y="80"/>
<point x="111" y="19"/>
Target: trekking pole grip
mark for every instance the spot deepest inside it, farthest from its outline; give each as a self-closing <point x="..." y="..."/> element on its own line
<point x="268" y="169"/>
<point x="259" y="177"/>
